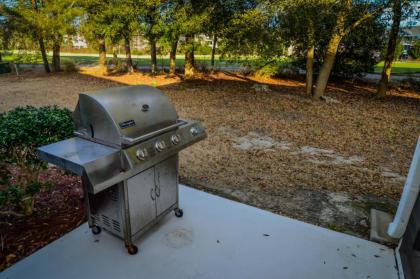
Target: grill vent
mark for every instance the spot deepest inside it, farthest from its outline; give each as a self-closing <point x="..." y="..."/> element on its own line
<point x="105" y="220"/>
<point x="116" y="225"/>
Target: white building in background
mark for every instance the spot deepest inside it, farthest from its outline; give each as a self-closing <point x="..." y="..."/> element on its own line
<point x="410" y="27"/>
<point x="79" y="41"/>
<point x="76" y="41"/>
<point x="139" y="43"/>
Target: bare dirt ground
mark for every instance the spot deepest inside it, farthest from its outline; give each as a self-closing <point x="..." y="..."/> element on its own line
<point x="268" y="144"/>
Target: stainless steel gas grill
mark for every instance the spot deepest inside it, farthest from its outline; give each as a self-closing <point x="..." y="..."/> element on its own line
<point x="126" y="151"/>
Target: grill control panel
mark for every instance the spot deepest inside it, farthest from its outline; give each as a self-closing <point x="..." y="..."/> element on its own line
<point x="162" y="146"/>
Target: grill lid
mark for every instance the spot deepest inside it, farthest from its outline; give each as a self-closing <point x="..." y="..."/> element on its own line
<point x="123" y="115"/>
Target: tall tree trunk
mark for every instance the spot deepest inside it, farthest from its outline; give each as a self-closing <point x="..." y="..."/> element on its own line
<point x="310" y="53"/>
<point x="1" y="58"/>
<point x="41" y="42"/>
<point x="213" y="50"/>
<point x="189" y="56"/>
<point x="44" y="55"/>
<point x="114" y="53"/>
<point x="102" y="53"/>
<point x="172" y="57"/>
<point x="128" y="58"/>
<point x="153" y="56"/>
<point x="337" y="34"/>
<point x="56" y="57"/>
<point x="392" y="45"/>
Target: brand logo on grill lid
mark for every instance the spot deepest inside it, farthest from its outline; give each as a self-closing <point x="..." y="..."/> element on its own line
<point x="127" y="124"/>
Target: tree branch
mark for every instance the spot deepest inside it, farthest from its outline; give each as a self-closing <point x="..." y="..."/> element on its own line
<point x="376" y="12"/>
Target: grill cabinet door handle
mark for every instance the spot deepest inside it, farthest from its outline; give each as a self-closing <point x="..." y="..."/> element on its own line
<point x="152" y="194"/>
<point x="157" y="184"/>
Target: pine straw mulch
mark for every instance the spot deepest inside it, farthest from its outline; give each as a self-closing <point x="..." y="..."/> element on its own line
<point x="58" y="210"/>
<point x="382" y="132"/>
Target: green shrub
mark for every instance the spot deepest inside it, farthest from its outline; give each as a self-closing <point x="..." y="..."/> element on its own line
<point x="69" y="66"/>
<point x="117" y="66"/>
<point x="22" y="130"/>
<point x="271" y="68"/>
<point x="415" y="50"/>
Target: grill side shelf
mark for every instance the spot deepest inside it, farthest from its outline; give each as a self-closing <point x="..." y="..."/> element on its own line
<point x="75" y="154"/>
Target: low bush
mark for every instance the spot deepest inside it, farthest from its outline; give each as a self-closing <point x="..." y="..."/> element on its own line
<point x="22" y="130"/>
<point x="117" y="66"/>
<point x="272" y="68"/>
<point x="69" y="66"/>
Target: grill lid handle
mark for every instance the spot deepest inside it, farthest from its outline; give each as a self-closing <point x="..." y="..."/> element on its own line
<point x="130" y="141"/>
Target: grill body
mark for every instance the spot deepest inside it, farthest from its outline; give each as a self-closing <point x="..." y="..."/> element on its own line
<point x="126" y="151"/>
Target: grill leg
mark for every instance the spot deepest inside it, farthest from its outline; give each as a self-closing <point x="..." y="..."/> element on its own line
<point x="178" y="212"/>
<point x="86" y="200"/>
<point x="131" y="249"/>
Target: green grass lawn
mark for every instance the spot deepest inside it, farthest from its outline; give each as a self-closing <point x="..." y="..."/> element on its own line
<point x="411" y="67"/>
<point x="139" y="60"/>
<point x="398" y="68"/>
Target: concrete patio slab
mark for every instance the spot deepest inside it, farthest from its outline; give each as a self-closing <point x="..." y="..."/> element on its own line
<point x="216" y="238"/>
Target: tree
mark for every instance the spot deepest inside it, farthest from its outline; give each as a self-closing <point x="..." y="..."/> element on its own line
<point x="397" y="7"/>
<point x="98" y="14"/>
<point x="415" y="50"/>
<point x="58" y="21"/>
<point x="253" y="32"/>
<point x="38" y="33"/>
<point x="358" y="52"/>
<point x="340" y="29"/>
<point x="220" y="13"/>
<point x="150" y="22"/>
<point x="305" y="24"/>
<point x="192" y="15"/>
<point x="122" y="24"/>
<point x="28" y="21"/>
<point x="171" y="23"/>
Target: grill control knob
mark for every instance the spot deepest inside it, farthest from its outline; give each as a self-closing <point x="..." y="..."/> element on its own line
<point x="141" y="154"/>
<point x="194" y="131"/>
<point x="160" y="145"/>
<point x="175" y="139"/>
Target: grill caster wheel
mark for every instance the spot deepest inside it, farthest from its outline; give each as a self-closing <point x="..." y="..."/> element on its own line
<point x="132" y="249"/>
<point x="178" y="212"/>
<point x="96" y="230"/>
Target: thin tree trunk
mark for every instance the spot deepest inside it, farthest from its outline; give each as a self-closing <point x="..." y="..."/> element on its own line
<point x="153" y="55"/>
<point x="1" y="58"/>
<point x="102" y="53"/>
<point x="172" y="57"/>
<point x="189" y="56"/>
<point x="390" y="52"/>
<point x="128" y="58"/>
<point x="213" y="50"/>
<point x="337" y="34"/>
<point x="310" y="69"/>
<point x="41" y="42"/>
<point x="44" y="55"/>
<point x="310" y="53"/>
<point x="56" y="57"/>
<point x="114" y="54"/>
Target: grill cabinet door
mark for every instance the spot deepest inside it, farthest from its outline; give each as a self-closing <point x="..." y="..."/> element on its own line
<point x="166" y="184"/>
<point x="141" y="199"/>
